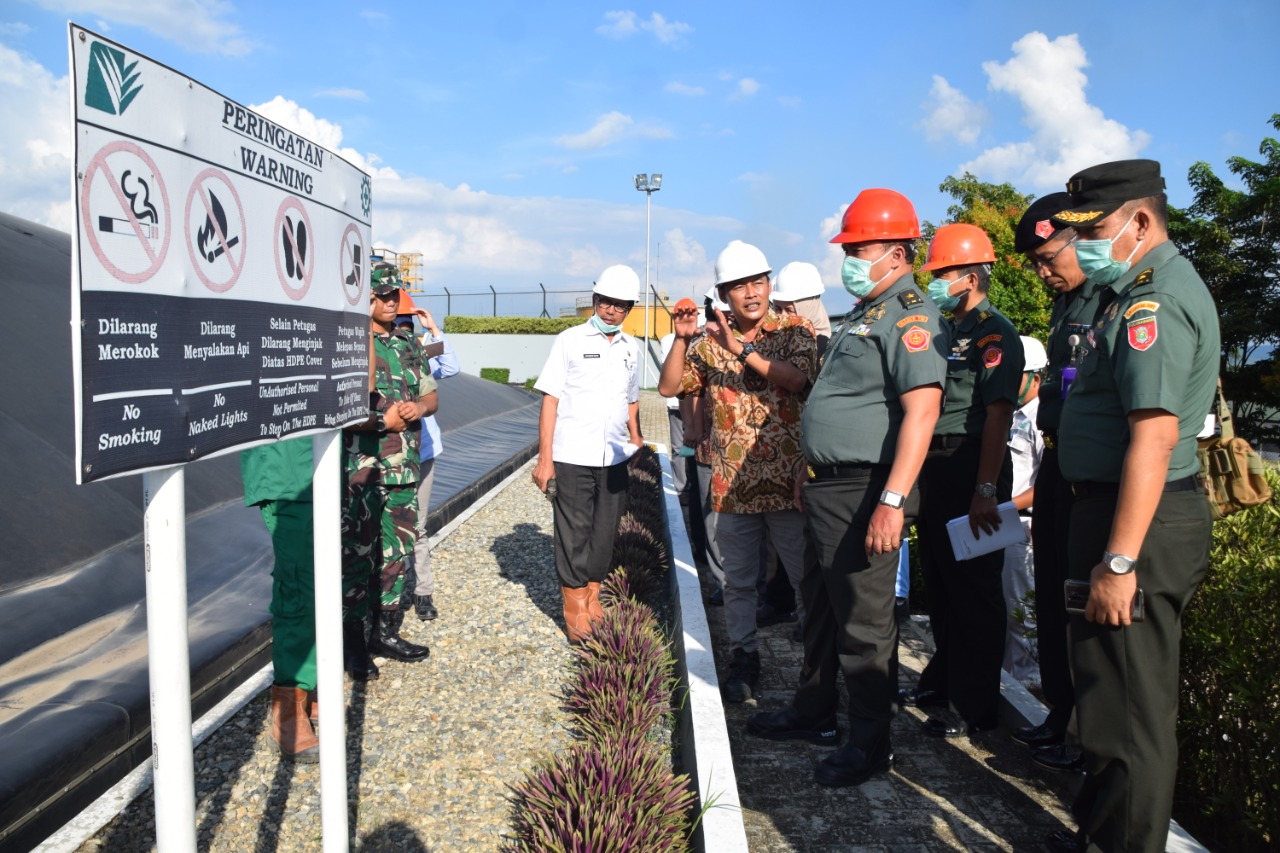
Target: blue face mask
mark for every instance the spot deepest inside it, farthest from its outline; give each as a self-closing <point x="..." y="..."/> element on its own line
<point x="939" y="292"/>
<point x="607" y="328"/>
<point x="1094" y="257"/>
<point x="855" y="275"/>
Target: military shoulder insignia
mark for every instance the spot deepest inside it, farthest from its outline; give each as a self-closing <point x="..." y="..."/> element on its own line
<point x="991" y="356"/>
<point x="916" y="339"/>
<point x="984" y="316"/>
<point x="990" y="339"/>
<point x="1141" y="306"/>
<point x="914" y="318"/>
<point x="1077" y="215"/>
<point x="910" y="298"/>
<point x="1145" y="277"/>
<point x="1143" y="333"/>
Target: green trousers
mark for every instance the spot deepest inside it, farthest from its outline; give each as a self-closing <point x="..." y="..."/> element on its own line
<point x="293" y="593"/>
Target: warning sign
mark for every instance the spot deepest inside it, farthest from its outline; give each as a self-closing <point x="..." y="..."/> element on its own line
<point x="215" y="230"/>
<point x="124" y="210"/>
<point x="257" y="330"/>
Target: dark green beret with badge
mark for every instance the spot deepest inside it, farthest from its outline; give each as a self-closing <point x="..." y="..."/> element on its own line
<point x="1098" y="191"/>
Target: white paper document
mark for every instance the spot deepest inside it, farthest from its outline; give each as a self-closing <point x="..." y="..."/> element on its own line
<point x="966" y="546"/>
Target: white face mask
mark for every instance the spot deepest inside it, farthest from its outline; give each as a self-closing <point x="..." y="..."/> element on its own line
<point x="1094" y="257"/>
<point x="855" y="275"/>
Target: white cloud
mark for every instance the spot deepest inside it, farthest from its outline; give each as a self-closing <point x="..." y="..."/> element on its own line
<point x="755" y="180"/>
<point x="624" y="24"/>
<point x="610" y="128"/>
<point x="950" y="115"/>
<point x="1067" y="132"/>
<point x="348" y="94"/>
<point x="197" y="25"/>
<point x="678" y="88"/>
<point x="791" y="102"/>
<point x="748" y="87"/>
<point x="13" y="29"/>
<point x="302" y="121"/>
<point x="35" y="142"/>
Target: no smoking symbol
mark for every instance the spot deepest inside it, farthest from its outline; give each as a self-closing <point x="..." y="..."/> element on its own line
<point x="124" y="210"/>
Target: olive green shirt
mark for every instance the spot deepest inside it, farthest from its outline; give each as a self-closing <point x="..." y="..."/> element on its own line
<point x="884" y="348"/>
<point x="984" y="365"/>
<point x="1154" y="345"/>
<point x="1073" y="314"/>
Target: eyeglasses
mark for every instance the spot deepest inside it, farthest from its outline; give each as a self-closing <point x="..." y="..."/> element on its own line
<point x="1037" y="262"/>
<point x="615" y="304"/>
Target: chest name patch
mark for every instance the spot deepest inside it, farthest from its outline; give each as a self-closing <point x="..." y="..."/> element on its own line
<point x="916" y="339"/>
<point x="1143" y="333"/>
<point x="591" y="355"/>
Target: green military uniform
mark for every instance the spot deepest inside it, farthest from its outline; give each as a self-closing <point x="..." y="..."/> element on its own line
<point x="380" y="475"/>
<point x="966" y="598"/>
<point x="1154" y="346"/>
<point x="1073" y="314"/>
<point x="277" y="480"/>
<point x="849" y="432"/>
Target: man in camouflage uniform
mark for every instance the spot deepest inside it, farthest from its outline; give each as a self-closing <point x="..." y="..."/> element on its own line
<point x="380" y="476"/>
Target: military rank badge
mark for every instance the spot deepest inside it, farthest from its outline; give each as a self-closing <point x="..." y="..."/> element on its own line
<point x="991" y="356"/>
<point x="1143" y="333"/>
<point x="916" y="339"/>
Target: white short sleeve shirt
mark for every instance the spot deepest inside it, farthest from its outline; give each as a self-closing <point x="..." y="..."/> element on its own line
<point x="594" y="380"/>
<point x="1026" y="446"/>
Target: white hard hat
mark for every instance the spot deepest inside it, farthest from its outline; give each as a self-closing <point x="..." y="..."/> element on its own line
<point x="797" y="280"/>
<point x="740" y="260"/>
<point x="714" y="295"/>
<point x="618" y="282"/>
<point x="1033" y="353"/>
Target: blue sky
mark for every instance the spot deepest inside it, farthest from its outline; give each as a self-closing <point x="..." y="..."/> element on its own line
<point x="503" y="137"/>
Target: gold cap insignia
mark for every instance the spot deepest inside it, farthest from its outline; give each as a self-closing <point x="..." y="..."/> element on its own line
<point x="1077" y="215"/>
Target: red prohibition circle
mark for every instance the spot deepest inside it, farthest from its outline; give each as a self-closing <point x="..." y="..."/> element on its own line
<point x="99" y="163"/>
<point x="196" y="186"/>
<point x="344" y="250"/>
<point x="309" y="269"/>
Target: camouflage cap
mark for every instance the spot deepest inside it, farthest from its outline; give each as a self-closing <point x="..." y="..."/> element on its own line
<point x="1098" y="191"/>
<point x="386" y="279"/>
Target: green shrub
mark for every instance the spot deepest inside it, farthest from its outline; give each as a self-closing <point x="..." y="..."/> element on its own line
<point x="1228" y="790"/>
<point x="496" y="374"/>
<point x="530" y="382"/>
<point x="457" y="325"/>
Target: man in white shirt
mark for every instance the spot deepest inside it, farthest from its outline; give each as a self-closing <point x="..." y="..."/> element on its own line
<point x="1026" y="447"/>
<point x="588" y="428"/>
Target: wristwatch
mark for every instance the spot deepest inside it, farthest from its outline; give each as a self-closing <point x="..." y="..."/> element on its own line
<point x="985" y="490"/>
<point x="1118" y="564"/>
<point x="747" y="349"/>
<point x="893" y="500"/>
<point x="380" y="421"/>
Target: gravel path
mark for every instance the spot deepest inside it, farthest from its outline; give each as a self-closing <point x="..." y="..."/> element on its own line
<point x="432" y="747"/>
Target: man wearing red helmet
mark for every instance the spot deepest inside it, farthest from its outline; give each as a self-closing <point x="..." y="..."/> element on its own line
<point x="865" y="433"/>
<point x="967" y="472"/>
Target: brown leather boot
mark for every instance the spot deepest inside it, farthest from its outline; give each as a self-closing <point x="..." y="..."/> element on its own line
<point x="594" y="609"/>
<point x="577" y="618"/>
<point x="313" y="708"/>
<point x="290" y="726"/>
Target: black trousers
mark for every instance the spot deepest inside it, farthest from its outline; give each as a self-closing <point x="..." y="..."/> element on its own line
<point x="1050" y="522"/>
<point x="1127" y="678"/>
<point x="588" y="503"/>
<point x="966" y="597"/>
<point x="849" y="626"/>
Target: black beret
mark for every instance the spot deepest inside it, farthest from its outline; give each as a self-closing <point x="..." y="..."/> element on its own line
<point x="1036" y="226"/>
<point x="1099" y="190"/>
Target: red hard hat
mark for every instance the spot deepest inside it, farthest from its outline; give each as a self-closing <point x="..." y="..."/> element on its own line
<point x="959" y="244"/>
<point x="878" y="214"/>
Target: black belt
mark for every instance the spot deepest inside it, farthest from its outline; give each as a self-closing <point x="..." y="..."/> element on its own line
<point x="1089" y="489"/>
<point x="950" y="442"/>
<point x="839" y="472"/>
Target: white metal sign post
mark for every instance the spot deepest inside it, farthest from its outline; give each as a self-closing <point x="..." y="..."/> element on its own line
<point x="219" y="301"/>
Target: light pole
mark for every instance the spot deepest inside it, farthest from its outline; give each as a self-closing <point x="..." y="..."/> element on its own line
<point x="647" y="184"/>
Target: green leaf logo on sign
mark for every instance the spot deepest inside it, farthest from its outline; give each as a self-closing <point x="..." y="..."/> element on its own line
<point x="110" y="87"/>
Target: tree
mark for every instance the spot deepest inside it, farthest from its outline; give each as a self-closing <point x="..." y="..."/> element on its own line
<point x="1231" y="238"/>
<point x="1016" y="290"/>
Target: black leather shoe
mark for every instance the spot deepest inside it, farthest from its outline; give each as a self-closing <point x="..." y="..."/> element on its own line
<point x="716" y="598"/>
<point x="1063" y="758"/>
<point x="787" y="724"/>
<point x="355" y="653"/>
<point x="927" y="698"/>
<point x="1064" y="841"/>
<point x="744" y="672"/>
<point x="951" y="724"/>
<point x="425" y="607"/>
<point x="386" y="639"/>
<point x="852" y="765"/>
<point x="767" y="614"/>
<point x="1036" y="736"/>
